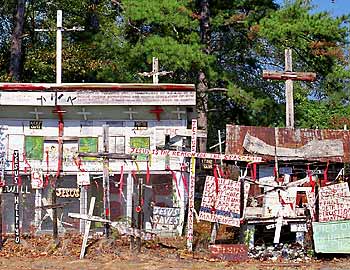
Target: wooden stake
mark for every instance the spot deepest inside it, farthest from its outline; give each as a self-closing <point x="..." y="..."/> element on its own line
<point x="106" y="201"/>
<point x="54" y="216"/>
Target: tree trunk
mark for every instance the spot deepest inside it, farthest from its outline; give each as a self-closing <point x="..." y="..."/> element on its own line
<point x="16" y="42"/>
<point x="93" y="20"/>
<point x="202" y="87"/>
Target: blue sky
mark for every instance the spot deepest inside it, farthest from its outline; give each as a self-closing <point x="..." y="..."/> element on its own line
<point x="339" y="7"/>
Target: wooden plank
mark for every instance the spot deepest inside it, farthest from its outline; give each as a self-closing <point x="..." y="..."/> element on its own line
<point x="294" y="76"/>
<point x="107" y="155"/>
<point x="237" y="253"/>
<point x="87" y="228"/>
<point x="106" y="201"/>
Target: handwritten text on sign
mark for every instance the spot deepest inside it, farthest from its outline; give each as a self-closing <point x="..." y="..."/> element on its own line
<point x="222" y="207"/>
<point x="166" y="216"/>
<point x="229" y="252"/>
<point x="334" y="202"/>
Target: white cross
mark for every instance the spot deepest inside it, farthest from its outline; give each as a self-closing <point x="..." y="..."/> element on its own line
<point x="178" y="112"/>
<point x="59" y="30"/>
<point x="130" y="112"/>
<point x="155" y="71"/>
<point x="84" y="113"/>
<point x="37" y="113"/>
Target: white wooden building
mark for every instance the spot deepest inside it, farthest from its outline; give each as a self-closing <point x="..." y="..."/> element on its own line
<point x="33" y="118"/>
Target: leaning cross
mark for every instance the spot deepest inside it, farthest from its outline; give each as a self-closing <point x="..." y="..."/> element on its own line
<point x="155" y="71"/>
<point x="289" y="76"/>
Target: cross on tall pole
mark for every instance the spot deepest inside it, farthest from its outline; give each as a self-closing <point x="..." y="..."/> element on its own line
<point x="289" y="76"/>
<point x="155" y="71"/>
<point x="59" y="30"/>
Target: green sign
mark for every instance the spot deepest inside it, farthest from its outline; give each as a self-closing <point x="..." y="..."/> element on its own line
<point x="88" y="145"/>
<point x="34" y="147"/>
<point x="332" y="237"/>
<point x="140" y="142"/>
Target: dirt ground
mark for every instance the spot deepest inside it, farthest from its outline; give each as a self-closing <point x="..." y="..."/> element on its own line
<point x="42" y="253"/>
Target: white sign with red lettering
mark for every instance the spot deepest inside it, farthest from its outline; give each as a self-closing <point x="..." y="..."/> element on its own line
<point x="334" y="202"/>
<point x="37" y="179"/>
<point x="83" y="178"/>
<point x="222" y="207"/>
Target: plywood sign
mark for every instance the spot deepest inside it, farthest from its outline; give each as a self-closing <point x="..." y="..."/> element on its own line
<point x="334" y="202"/>
<point x="222" y="207"/>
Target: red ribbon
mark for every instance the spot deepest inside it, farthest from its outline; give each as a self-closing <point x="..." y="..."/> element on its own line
<point x="175" y="180"/>
<point x="184" y="181"/>
<point x="312" y="182"/>
<point x="216" y="179"/>
<point x="133" y="173"/>
<point x="121" y="180"/>
<point x="283" y="202"/>
<point x="325" y="173"/>
<point x="148" y="175"/>
<point x="27" y="164"/>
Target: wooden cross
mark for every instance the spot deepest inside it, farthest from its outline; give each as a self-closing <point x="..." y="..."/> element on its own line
<point x="59" y="30"/>
<point x="155" y="71"/>
<point x="84" y="113"/>
<point x="130" y="112"/>
<point x="289" y="76"/>
<point x="193" y="155"/>
<point x="37" y="113"/>
<point x="106" y="156"/>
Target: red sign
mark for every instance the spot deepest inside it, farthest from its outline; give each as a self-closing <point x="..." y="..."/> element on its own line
<point x="236" y="253"/>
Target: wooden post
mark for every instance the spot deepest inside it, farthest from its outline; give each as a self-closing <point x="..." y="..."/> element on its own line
<point x="139" y="215"/>
<point x="317" y="202"/>
<point x="289" y="90"/>
<point x="16" y="203"/>
<point x="191" y="187"/>
<point x="0" y="221"/>
<point x="289" y="76"/>
<point x="54" y="216"/>
<point x="155" y="71"/>
<point x="132" y="237"/>
<point x="241" y="211"/>
<point x="87" y="228"/>
<point x="106" y="201"/>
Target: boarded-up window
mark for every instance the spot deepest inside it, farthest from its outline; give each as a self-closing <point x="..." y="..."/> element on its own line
<point x="140" y="142"/>
<point x="34" y="147"/>
<point x="88" y="145"/>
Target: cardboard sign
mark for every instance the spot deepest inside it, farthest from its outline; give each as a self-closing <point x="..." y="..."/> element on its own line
<point x="222" y="207"/>
<point x="37" y="179"/>
<point x="83" y="178"/>
<point x="166" y="216"/>
<point x="236" y="253"/>
<point x="332" y="237"/>
<point x="298" y="227"/>
<point x="334" y="202"/>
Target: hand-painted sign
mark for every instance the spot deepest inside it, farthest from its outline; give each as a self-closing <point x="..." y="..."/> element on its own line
<point x="83" y="178"/>
<point x="166" y="217"/>
<point x="68" y="192"/>
<point x="15" y="189"/>
<point x="236" y="253"/>
<point x="37" y="124"/>
<point x="222" y="207"/>
<point x="37" y="179"/>
<point x="332" y="237"/>
<point x="334" y="202"/>
<point x="16" y="182"/>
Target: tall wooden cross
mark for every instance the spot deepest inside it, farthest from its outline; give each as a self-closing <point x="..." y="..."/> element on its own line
<point x="193" y="155"/>
<point x="289" y="76"/>
<point x="155" y="71"/>
<point x="59" y="30"/>
<point x="106" y="156"/>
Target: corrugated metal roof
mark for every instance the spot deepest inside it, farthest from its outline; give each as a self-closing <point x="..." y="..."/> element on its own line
<point x="289" y="143"/>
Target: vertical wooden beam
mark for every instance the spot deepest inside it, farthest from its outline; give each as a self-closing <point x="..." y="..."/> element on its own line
<point x="16" y="203"/>
<point x="289" y="90"/>
<point x="155" y="70"/>
<point x="87" y="228"/>
<point x="54" y="215"/>
<point x="139" y="215"/>
<point x="241" y="210"/>
<point x="191" y="187"/>
<point x="106" y="201"/>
